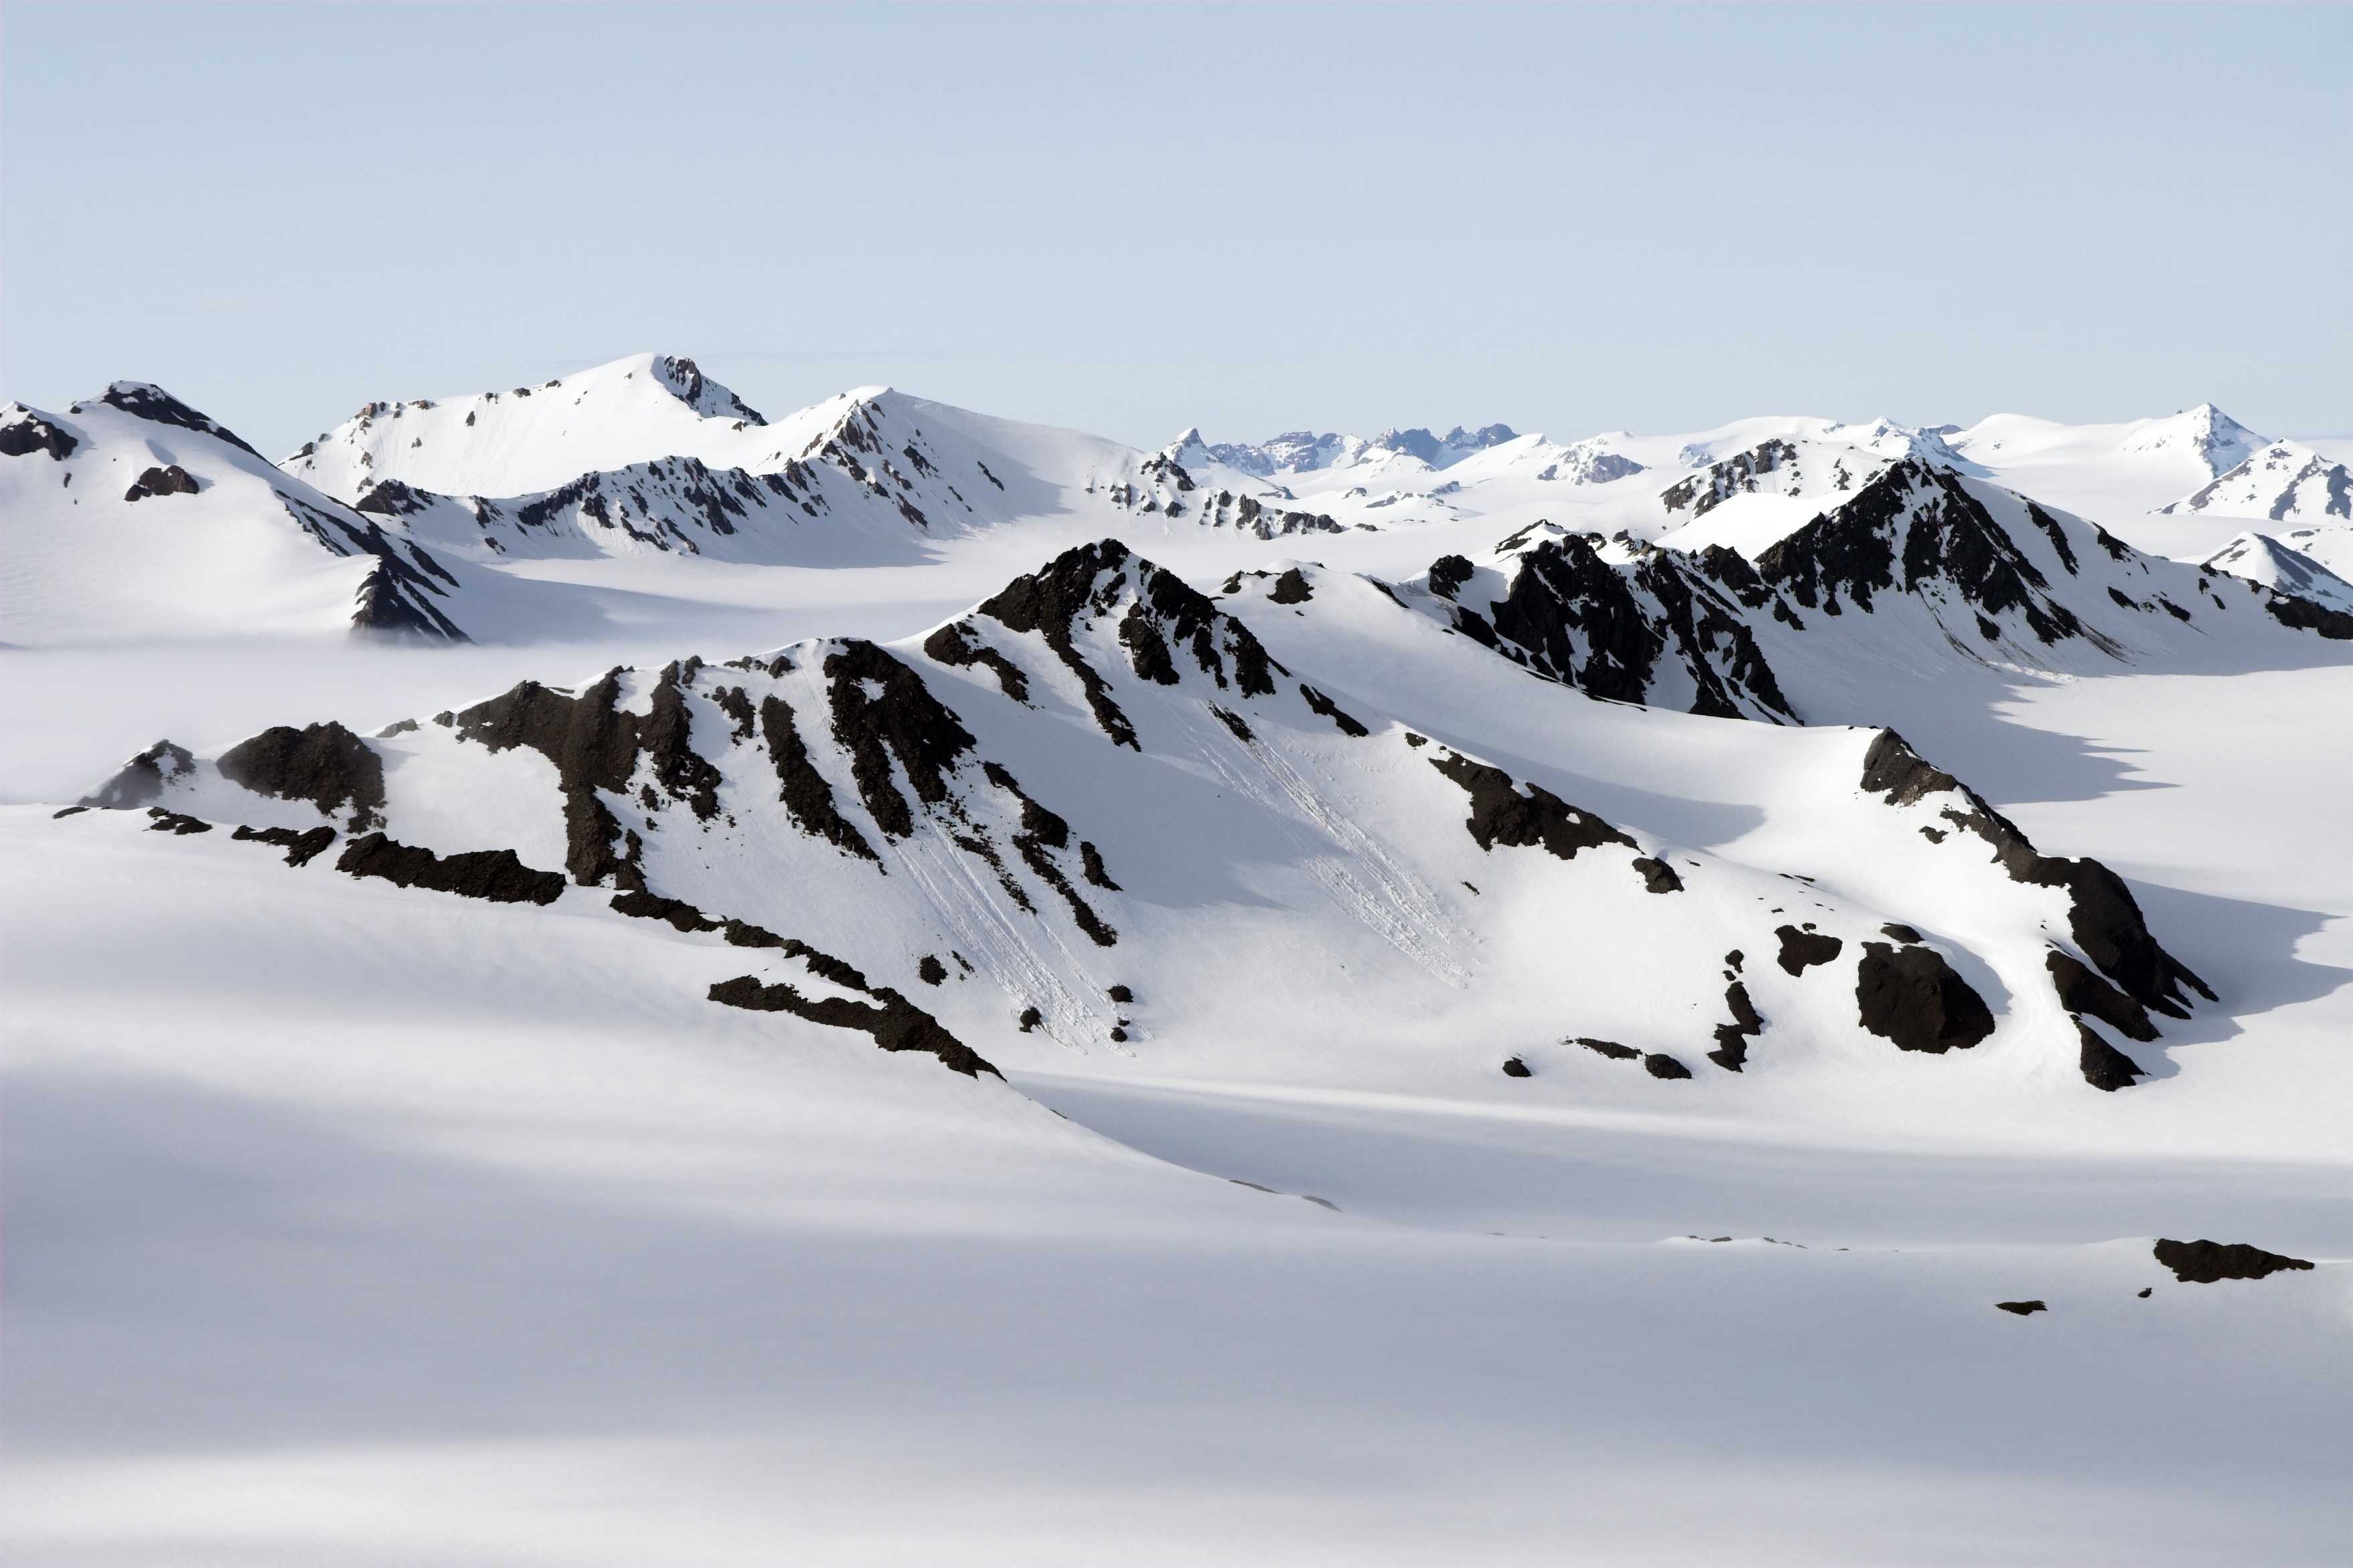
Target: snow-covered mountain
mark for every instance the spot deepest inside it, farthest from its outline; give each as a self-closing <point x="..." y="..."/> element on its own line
<point x="2260" y="558"/>
<point x="1097" y="814"/>
<point x="176" y="528"/>
<point x="1917" y="568"/>
<point x="2284" y="481"/>
<point x="1491" y="920"/>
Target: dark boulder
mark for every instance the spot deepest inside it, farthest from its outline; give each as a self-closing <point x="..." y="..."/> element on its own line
<point x="1802" y="949"/>
<point x="1912" y="996"/>
<point x="174" y="481"/>
<point x="2211" y="1262"/>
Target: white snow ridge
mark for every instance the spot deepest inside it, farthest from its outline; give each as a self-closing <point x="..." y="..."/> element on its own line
<point x="598" y="978"/>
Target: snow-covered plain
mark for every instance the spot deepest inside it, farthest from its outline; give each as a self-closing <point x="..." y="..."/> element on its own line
<point x="349" y="1221"/>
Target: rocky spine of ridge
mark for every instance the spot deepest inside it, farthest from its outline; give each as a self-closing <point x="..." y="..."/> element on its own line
<point x="2128" y="976"/>
<point x="1607" y="629"/>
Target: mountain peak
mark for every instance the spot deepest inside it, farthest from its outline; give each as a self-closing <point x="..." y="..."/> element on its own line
<point x="2216" y="439"/>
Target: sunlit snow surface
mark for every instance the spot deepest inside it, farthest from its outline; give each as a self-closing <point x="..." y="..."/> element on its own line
<point x="346" y="1223"/>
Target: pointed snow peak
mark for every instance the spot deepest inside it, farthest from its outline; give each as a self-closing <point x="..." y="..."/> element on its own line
<point x="2283" y="481"/>
<point x="147" y="401"/>
<point x="701" y="394"/>
<point x="2260" y="558"/>
<point x="2205" y="432"/>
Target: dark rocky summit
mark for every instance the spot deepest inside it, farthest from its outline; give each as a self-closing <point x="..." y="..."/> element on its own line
<point x="2023" y="1309"/>
<point x="142" y="778"/>
<point x="23" y="433"/>
<point x="325" y="764"/>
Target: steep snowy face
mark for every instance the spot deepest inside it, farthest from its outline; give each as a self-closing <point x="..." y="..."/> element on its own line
<point x="533" y="439"/>
<point x="2260" y="558"/>
<point x="1096" y="813"/>
<point x="2216" y="441"/>
<point x="134" y="515"/>
<point x="1919" y="566"/>
<point x="2284" y="481"/>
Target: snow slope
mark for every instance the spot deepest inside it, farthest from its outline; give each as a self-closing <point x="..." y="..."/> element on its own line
<point x="178" y="529"/>
<point x="2284" y="482"/>
<point x="606" y="1120"/>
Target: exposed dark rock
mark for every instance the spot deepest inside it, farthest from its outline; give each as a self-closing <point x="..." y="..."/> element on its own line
<point x="954" y="644"/>
<point x="593" y="747"/>
<point x="1031" y="1019"/>
<point x="1091" y="861"/>
<point x="1660" y="1066"/>
<point x="67" y="811"/>
<point x="1900" y="933"/>
<point x="1732" y="1039"/>
<point x="904" y="719"/>
<point x="1447" y="574"/>
<point x="175" y="822"/>
<point x="646" y="905"/>
<point x="142" y="778"/>
<point x="1118" y="1034"/>
<point x="1658" y="876"/>
<point x="2105" y="921"/>
<point x="2103" y="1067"/>
<point x="174" y="481"/>
<point x="807" y="797"/>
<point x="1802" y="949"/>
<point x="1233" y="722"/>
<point x="930" y="971"/>
<point x="1291" y="588"/>
<point x="1121" y="995"/>
<point x="1050" y="602"/>
<point x="2212" y="1262"/>
<point x="1734" y="959"/>
<point x="1612" y="1049"/>
<point x="737" y="703"/>
<point x="1737" y="475"/>
<point x="301" y="849"/>
<point x="2304" y="615"/>
<point x="741" y="933"/>
<point x="325" y="764"/>
<point x="23" y="437"/>
<point x="1946" y="535"/>
<point x="895" y="1023"/>
<point x="1325" y="708"/>
<point x="497" y="874"/>
<point x="2081" y="991"/>
<point x="2055" y="534"/>
<point x="1501" y="815"/>
<point x="665" y="735"/>
<point x="1515" y="1068"/>
<point x="1912" y="996"/>
<point x="154" y="403"/>
<point x="2023" y="1309"/>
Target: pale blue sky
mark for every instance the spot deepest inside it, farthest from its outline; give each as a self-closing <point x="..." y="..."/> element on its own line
<point x="1130" y="218"/>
